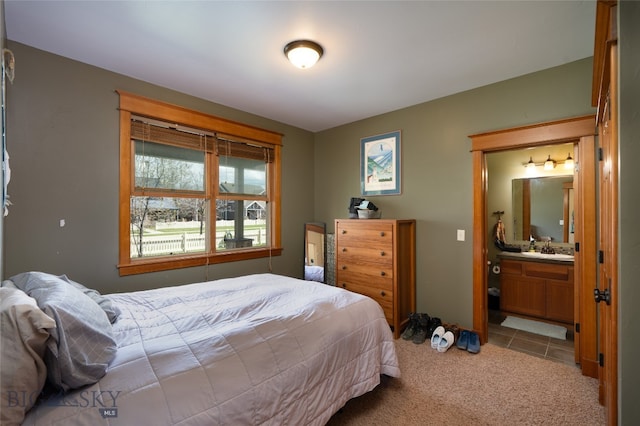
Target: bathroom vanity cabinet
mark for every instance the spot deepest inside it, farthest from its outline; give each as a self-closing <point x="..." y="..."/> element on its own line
<point x="537" y="289"/>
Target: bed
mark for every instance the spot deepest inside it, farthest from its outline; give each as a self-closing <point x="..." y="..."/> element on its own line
<point x="258" y="349"/>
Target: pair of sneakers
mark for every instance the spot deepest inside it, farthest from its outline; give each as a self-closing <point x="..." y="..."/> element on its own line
<point x="442" y="339"/>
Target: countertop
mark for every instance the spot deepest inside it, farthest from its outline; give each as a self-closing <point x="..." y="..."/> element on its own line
<point x="537" y="257"/>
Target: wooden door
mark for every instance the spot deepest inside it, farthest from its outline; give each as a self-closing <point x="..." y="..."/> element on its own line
<point x="607" y="274"/>
<point x="605" y="97"/>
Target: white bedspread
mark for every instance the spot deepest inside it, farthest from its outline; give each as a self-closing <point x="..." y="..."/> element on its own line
<point x="259" y="349"/>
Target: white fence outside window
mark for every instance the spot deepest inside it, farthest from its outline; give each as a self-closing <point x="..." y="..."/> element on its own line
<point x="188" y="242"/>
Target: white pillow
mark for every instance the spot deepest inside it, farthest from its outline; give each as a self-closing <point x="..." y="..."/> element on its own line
<point x="24" y="330"/>
<point x="82" y="346"/>
<point x="113" y="312"/>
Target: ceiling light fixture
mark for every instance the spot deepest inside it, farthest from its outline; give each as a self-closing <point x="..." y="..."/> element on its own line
<point x="303" y="53"/>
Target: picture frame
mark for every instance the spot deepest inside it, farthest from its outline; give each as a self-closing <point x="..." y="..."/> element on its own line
<point x="380" y="164"/>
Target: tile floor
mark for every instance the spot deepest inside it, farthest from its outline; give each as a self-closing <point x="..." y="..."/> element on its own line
<point x="532" y="344"/>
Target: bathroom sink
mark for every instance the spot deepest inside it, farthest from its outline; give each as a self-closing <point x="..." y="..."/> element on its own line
<point x="557" y="256"/>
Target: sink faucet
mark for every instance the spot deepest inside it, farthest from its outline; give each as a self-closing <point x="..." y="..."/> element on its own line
<point x="547" y="249"/>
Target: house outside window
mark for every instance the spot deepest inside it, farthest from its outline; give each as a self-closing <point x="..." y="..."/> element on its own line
<point x="194" y="189"/>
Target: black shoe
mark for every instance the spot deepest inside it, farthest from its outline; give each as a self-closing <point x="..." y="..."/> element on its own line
<point x="412" y="326"/>
<point x="421" y="332"/>
<point x="434" y="323"/>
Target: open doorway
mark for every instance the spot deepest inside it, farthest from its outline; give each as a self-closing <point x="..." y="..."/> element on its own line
<point x="579" y="131"/>
<point x="528" y="203"/>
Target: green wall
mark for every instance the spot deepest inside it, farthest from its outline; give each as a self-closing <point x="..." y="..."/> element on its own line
<point x="64" y="142"/>
<point x="629" y="205"/>
<point x="437" y="170"/>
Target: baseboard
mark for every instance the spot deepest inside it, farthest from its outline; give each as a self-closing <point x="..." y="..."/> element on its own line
<point x="589" y="368"/>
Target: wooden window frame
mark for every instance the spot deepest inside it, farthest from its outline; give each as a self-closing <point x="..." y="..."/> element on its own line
<point x="134" y="105"/>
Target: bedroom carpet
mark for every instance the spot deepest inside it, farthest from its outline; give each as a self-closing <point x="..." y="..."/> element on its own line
<point x="495" y="387"/>
<point x="536" y="327"/>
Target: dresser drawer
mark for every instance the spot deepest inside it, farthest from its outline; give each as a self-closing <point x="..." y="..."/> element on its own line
<point x="364" y="256"/>
<point x="368" y="269"/>
<point x="377" y="235"/>
<point x="376" y="282"/>
<point x="383" y="297"/>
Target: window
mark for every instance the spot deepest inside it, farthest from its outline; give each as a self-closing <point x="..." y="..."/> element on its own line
<point x="194" y="189"/>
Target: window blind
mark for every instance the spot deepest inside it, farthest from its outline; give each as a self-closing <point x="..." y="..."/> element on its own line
<point x="222" y="147"/>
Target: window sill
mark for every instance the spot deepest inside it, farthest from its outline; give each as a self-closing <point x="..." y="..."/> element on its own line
<point x="143" y="266"/>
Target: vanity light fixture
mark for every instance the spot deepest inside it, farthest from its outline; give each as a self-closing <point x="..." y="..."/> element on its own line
<point x="530" y="165"/>
<point x="549" y="164"/>
<point x="568" y="163"/>
<point x="303" y="53"/>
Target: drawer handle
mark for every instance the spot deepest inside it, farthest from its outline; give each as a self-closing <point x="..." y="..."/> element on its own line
<point x="382" y="233"/>
<point x="382" y="293"/>
<point x="344" y="231"/>
<point x="344" y="267"/>
<point x="344" y="249"/>
<point x="382" y="273"/>
<point x="382" y="253"/>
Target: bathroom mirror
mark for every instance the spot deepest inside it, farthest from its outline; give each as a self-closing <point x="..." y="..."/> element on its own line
<point x="315" y="251"/>
<point x="543" y="208"/>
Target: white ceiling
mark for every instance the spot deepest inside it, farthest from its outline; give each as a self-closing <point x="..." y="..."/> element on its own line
<point x="379" y="56"/>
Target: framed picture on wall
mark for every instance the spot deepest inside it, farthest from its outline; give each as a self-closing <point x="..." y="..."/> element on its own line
<point x="380" y="164"/>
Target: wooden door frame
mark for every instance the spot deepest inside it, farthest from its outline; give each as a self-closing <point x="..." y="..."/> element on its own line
<point x="580" y="131"/>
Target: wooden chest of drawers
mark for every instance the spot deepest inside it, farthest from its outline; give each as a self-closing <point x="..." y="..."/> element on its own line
<point x="377" y="258"/>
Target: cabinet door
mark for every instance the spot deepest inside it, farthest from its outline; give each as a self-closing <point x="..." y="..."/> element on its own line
<point x="560" y="301"/>
<point x="523" y="295"/>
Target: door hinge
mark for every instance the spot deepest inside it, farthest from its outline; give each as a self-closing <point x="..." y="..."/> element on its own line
<point x="600" y="256"/>
<point x="600" y="154"/>
<point x="601" y="359"/>
<point x="577" y="327"/>
<point x="576" y="247"/>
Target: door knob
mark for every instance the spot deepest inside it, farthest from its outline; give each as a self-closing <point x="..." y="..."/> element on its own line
<point x="599" y="296"/>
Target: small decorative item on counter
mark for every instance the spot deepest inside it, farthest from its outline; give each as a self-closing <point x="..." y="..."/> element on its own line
<point x="368" y="210"/>
<point x="353" y="207"/>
